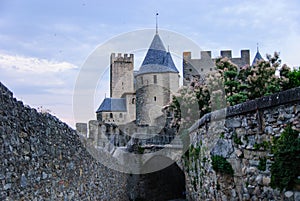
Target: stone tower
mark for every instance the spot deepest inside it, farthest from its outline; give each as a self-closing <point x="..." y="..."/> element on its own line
<point x="121" y="74"/>
<point x="156" y="79"/>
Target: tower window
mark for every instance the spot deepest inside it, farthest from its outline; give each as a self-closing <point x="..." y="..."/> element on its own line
<point x="154" y="98"/>
<point x="155" y="79"/>
<point x="111" y="115"/>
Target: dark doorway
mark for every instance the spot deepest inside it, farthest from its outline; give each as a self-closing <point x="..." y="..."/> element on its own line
<point x="162" y="185"/>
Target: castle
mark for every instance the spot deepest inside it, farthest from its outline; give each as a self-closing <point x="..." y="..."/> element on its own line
<point x="139" y="96"/>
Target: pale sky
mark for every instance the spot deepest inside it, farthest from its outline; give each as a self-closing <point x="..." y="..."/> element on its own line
<point x="44" y="44"/>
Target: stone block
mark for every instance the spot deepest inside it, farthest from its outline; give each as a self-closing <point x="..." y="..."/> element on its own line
<point x="233" y="123"/>
<point x="297" y="195"/>
<point x="266" y="180"/>
<point x="288" y="195"/>
<point x="238" y="153"/>
<point x="81" y="128"/>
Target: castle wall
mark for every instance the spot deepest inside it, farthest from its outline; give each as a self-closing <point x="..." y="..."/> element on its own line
<point x="121" y="74"/>
<point x="113" y="117"/>
<point x="43" y="158"/>
<point x="131" y="107"/>
<point x="198" y="68"/>
<point x="241" y="136"/>
<point x="154" y="91"/>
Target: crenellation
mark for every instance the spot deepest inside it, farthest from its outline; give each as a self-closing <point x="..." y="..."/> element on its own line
<point x="226" y="53"/>
<point x="197" y="68"/>
<point x="120" y="57"/>
<point x="205" y="54"/>
<point x="81" y="128"/>
<point x="93" y="131"/>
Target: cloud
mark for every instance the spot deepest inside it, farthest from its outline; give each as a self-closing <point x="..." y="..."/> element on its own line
<point x="33" y="65"/>
<point x="40" y="82"/>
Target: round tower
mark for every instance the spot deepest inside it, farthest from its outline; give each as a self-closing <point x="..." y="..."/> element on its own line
<point x="156" y="80"/>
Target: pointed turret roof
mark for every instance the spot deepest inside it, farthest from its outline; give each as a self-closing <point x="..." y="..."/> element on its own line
<point x="157" y="59"/>
<point x="257" y="56"/>
<point x="156" y="52"/>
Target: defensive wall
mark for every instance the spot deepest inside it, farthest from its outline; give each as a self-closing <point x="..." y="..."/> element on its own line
<point x="242" y="134"/>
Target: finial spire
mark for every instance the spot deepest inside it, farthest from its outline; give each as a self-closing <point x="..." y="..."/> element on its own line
<point x="257" y="47"/>
<point x="156" y="22"/>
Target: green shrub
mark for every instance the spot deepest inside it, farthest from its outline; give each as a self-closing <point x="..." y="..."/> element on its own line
<point x="236" y="139"/>
<point x="285" y="169"/>
<point x="262" y="164"/>
<point x="264" y="145"/>
<point x="221" y="165"/>
<point x="140" y="150"/>
<point x="294" y="78"/>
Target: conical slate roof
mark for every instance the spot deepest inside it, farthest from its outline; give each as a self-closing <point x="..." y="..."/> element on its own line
<point x="157" y="59"/>
<point x="257" y="58"/>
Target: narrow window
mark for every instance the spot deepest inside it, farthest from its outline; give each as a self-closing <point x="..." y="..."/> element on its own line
<point x="111" y="115"/>
<point x="154" y="98"/>
<point x="120" y="115"/>
<point x="133" y="101"/>
<point x="155" y="79"/>
<point x="210" y="69"/>
<point x="201" y="69"/>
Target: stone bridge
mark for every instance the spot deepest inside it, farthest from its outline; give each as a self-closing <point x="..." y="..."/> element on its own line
<point x="138" y="153"/>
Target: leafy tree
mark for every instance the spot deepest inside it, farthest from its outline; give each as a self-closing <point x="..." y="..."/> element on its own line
<point x="234" y="88"/>
<point x="284" y="77"/>
<point x="190" y="103"/>
<point x="285" y="169"/>
<point x="262" y="80"/>
<point x="290" y="79"/>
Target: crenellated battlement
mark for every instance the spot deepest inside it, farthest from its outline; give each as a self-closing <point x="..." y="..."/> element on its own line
<point x="122" y="57"/>
<point x="198" y="67"/>
<point x="245" y="54"/>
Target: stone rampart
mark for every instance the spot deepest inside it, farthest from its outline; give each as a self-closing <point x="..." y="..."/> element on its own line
<point x="243" y="135"/>
<point x="42" y="158"/>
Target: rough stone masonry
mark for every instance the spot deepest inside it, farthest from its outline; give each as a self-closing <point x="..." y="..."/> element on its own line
<point x="242" y="136"/>
<point x="43" y="159"/>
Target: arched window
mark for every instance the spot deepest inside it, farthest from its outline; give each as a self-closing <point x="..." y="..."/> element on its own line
<point x="154" y="98"/>
<point x="111" y="115"/>
<point x="133" y="101"/>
